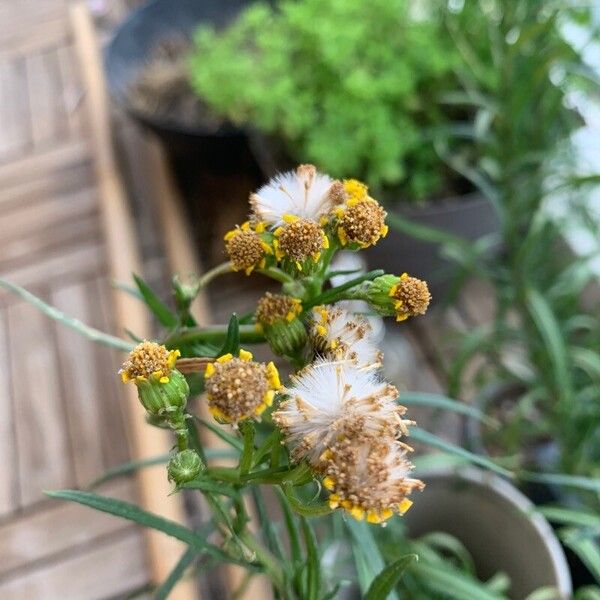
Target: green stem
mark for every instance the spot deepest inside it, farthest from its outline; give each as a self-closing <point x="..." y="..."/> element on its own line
<point x="215" y="333"/>
<point x="266" y="558"/>
<point x="276" y="274"/>
<point x="337" y="293"/>
<point x="215" y="272"/>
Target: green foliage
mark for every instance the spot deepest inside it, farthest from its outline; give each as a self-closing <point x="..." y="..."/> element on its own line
<point x="346" y="84"/>
<point x="516" y="72"/>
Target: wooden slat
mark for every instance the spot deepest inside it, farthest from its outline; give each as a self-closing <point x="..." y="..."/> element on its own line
<point x="8" y="472"/>
<point x="48" y="117"/>
<point x="34" y="219"/>
<point x="58" y="527"/>
<point x="30" y="249"/>
<point x="108" y="570"/>
<point x="42" y="442"/>
<point x="14" y="111"/>
<point x="42" y="162"/>
<point x="61" y="266"/>
<point x="72" y="92"/>
<point x="83" y="385"/>
<point x="64" y="179"/>
<point x="112" y="419"/>
<point x="123" y="258"/>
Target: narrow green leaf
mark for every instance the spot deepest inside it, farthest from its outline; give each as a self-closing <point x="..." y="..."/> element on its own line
<point x="384" y="583"/>
<point x="291" y="526"/>
<point x="248" y="431"/>
<point x="452" y="584"/>
<point x="313" y="567"/>
<point x="89" y="332"/>
<point x="445" y="403"/>
<point x="367" y="558"/>
<point x="129" y="511"/>
<point x="159" y="309"/>
<point x="548" y="327"/>
<point x="590" y="592"/>
<point x="269" y="527"/>
<point x="587" y="549"/>
<point x="221" y="433"/>
<point x="574" y="481"/>
<point x="187" y="558"/>
<point x="431" y="440"/>
<point x="450" y="545"/>
<point x="545" y="593"/>
<point x="232" y="341"/>
<point x="566" y="516"/>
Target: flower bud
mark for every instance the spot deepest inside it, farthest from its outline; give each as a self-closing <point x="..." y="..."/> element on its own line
<point x="162" y="389"/>
<point x="403" y="296"/>
<point x="184" y="466"/>
<point x="277" y="318"/>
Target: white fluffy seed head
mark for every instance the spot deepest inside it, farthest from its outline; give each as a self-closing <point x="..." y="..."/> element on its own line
<point x="303" y="193"/>
<point x="330" y="400"/>
<point x="340" y="335"/>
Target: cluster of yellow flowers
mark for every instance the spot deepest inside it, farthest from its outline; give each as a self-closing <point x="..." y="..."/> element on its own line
<point x="295" y="217"/>
<point x="337" y="414"/>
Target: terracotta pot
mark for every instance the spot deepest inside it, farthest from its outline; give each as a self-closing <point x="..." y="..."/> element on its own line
<point x="497" y="525"/>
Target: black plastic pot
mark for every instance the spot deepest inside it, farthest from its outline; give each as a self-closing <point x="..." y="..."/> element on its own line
<point x="132" y="46"/>
<point x="470" y="217"/>
<point x="496" y="524"/>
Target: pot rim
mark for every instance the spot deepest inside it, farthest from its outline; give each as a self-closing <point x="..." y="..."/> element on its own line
<point x="118" y="91"/>
<point x="514" y="496"/>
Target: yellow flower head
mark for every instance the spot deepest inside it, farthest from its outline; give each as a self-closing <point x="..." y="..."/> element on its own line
<point x="368" y="478"/>
<point x="246" y="248"/>
<point x="149" y="361"/>
<point x="238" y="388"/>
<point x="277" y="317"/>
<point x="299" y="241"/>
<point x="360" y="219"/>
<point x="411" y="297"/>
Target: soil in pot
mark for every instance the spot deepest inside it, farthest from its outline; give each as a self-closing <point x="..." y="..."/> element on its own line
<point x="161" y="90"/>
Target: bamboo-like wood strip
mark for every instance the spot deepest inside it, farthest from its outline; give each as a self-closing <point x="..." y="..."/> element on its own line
<point x="124" y="259"/>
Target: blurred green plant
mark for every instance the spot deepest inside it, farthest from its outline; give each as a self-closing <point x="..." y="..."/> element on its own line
<point x="536" y="366"/>
<point x="346" y="84"/>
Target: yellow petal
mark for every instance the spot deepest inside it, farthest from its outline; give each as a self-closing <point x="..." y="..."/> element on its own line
<point x="404" y="506"/>
<point x="210" y="369"/>
<point x="273" y="375"/>
<point x="290" y="218"/>
<point x="328" y="483"/>
<point x="245" y="355"/>
<point x="225" y="358"/>
<point x="358" y="513"/>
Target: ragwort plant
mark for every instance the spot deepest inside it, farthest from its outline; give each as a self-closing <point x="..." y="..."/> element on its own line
<point x="330" y="441"/>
